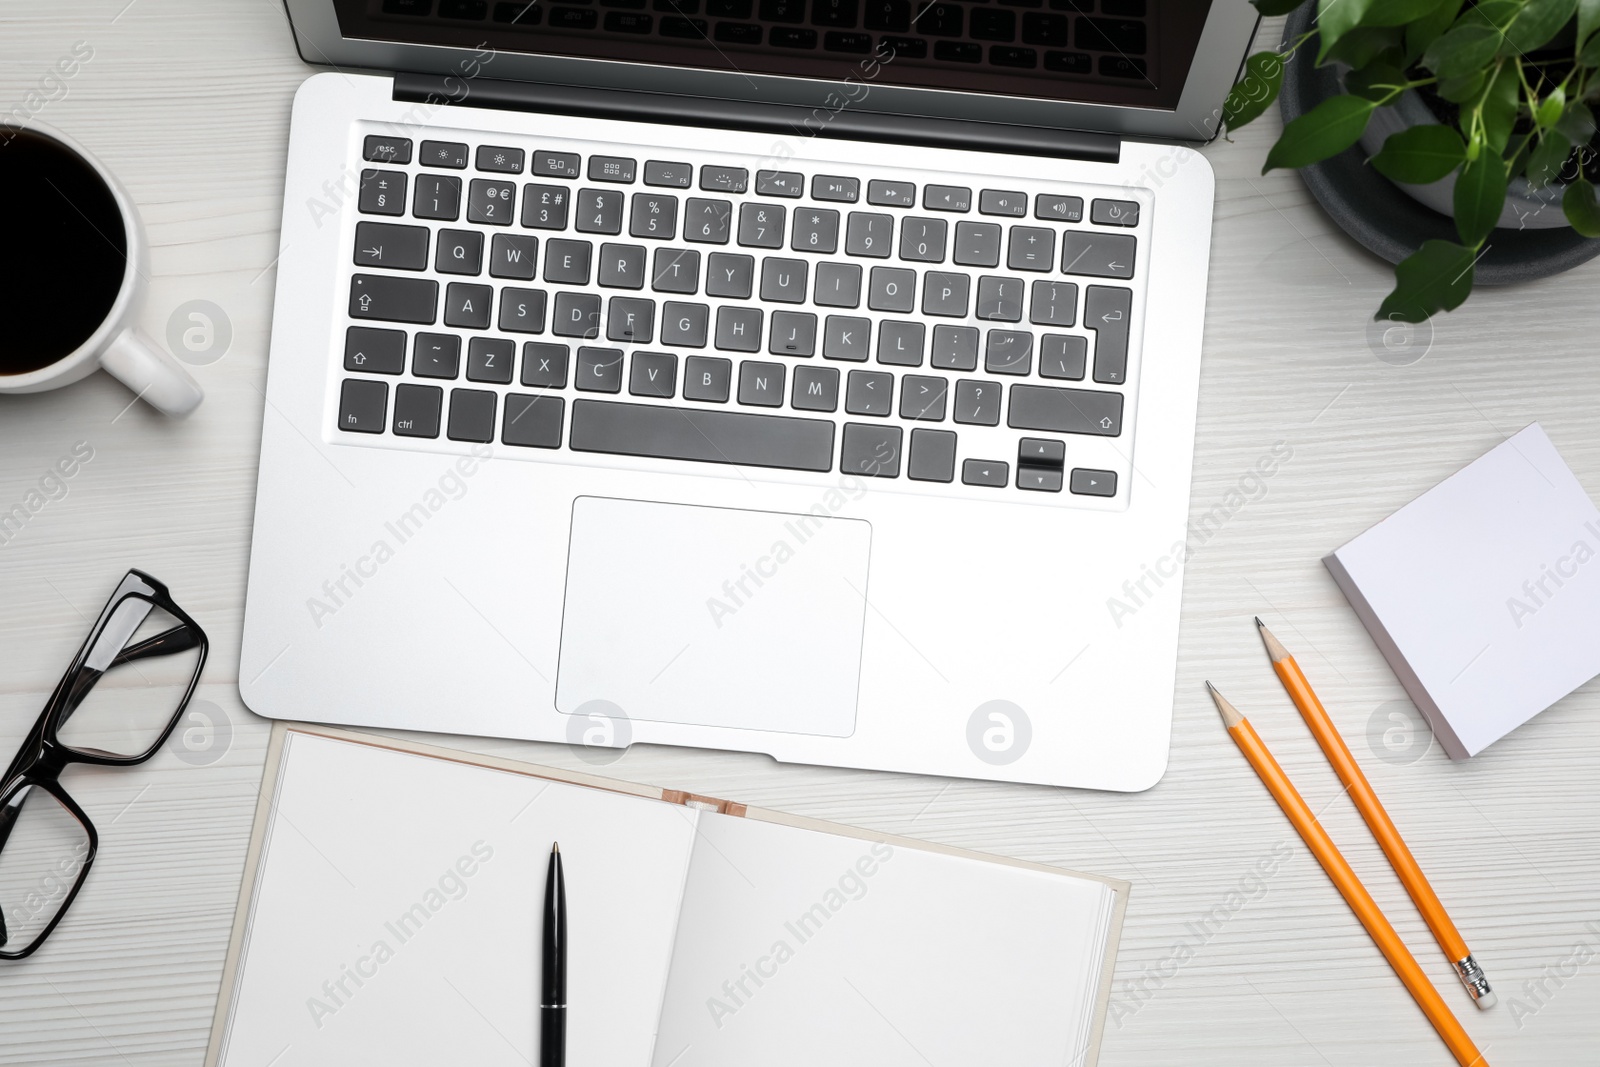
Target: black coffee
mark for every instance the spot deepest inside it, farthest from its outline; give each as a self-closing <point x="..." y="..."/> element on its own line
<point x="63" y="251"/>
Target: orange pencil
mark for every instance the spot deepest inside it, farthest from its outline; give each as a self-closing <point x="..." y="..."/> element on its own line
<point x="1344" y="879"/>
<point x="1383" y="828"/>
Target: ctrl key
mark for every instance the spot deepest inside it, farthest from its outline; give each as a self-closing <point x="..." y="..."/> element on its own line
<point x="362" y="405"/>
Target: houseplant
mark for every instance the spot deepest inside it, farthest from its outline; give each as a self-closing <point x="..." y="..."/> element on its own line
<point x="1511" y="84"/>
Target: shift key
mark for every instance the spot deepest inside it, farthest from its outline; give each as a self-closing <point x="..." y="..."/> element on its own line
<point x="376" y="296"/>
<point x="1052" y="410"/>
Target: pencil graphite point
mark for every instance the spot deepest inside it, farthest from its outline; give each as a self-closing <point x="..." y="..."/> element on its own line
<point x="1259" y="624"/>
<point x="1231" y="716"/>
<point x="1275" y="650"/>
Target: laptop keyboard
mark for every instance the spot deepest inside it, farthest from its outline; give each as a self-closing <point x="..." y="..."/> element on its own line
<point x="606" y="303"/>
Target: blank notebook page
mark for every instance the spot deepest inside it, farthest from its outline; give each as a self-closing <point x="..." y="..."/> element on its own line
<point x="802" y="948"/>
<point x="396" y="917"/>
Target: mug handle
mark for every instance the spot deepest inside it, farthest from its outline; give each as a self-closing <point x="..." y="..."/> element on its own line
<point x="133" y="360"/>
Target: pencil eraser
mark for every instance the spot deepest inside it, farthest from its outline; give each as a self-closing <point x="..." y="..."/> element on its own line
<point x="1487" y="1001"/>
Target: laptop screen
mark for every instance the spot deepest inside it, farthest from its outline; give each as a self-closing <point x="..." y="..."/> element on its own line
<point x="1132" y="53"/>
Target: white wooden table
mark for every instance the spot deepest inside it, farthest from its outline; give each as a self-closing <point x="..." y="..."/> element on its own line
<point x="189" y="102"/>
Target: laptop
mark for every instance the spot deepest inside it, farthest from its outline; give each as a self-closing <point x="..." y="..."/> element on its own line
<point x="814" y="378"/>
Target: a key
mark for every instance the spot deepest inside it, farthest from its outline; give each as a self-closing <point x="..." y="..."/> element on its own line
<point x="544" y="207"/>
<point x="1114" y="213"/>
<point x="869" y="392"/>
<point x="977" y="244"/>
<point x="555" y="164"/>
<point x="761" y="384"/>
<point x="892" y="289"/>
<point x="1008" y="352"/>
<point x="611" y="169"/>
<point x="900" y="342"/>
<point x="761" y="225"/>
<point x="999" y="299"/>
<point x="437" y="196"/>
<point x="955" y="348"/>
<point x="724" y="179"/>
<point x="491" y="203"/>
<point x="707" y="378"/>
<point x="362" y="404"/>
<point x="815" y="389"/>
<point x="521" y="310"/>
<point x="631" y="319"/>
<point x="499" y="160"/>
<point x="815" y="230"/>
<point x="443" y="154"/>
<point x="653" y="374"/>
<point x="922" y="398"/>
<point x="380" y="149"/>
<point x="1056" y="410"/>
<point x="599" y="370"/>
<point x="599" y="211"/>
<point x="739" y="329"/>
<point x="985" y="472"/>
<point x="707" y="221"/>
<point x="513" y="255"/>
<point x="670" y="175"/>
<point x="544" y="365"/>
<point x="730" y="275"/>
<point x="416" y="410"/>
<point x="704" y="435"/>
<point x="1063" y="355"/>
<point x="846" y="338"/>
<point x="684" y="325"/>
<point x="933" y="456"/>
<point x="1058" y="208"/>
<point x="947" y="198"/>
<point x="567" y="262"/>
<point x="1099" y="255"/>
<point x="384" y="244"/>
<point x="868" y="234"/>
<point x="653" y="215"/>
<point x="923" y="240"/>
<point x="873" y="450"/>
<point x="1106" y="310"/>
<point x="491" y="359"/>
<point x="533" y="421"/>
<point x="576" y="315"/>
<point x="1031" y="248"/>
<point x="977" y="402"/>
<point x="833" y="187"/>
<point x="675" y="270"/>
<point x="892" y="194"/>
<point x="1087" y="482"/>
<point x="946" y="294"/>
<point x="838" y="285"/>
<point x="467" y="306"/>
<point x="1002" y="202"/>
<point x="459" y="252"/>
<point x="471" y="415"/>
<point x="436" y="355"/>
<point x="793" y="333"/>
<point x="622" y="266"/>
<point x="378" y="296"/>
<point x="1053" y="304"/>
<point x="374" y="351"/>
<point x="783" y="280"/>
<point x="383" y="192"/>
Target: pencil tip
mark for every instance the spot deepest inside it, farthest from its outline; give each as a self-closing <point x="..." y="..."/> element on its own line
<point x="1211" y="688"/>
<point x="1259" y="624"/>
<point x="1231" y="716"/>
<point x="555" y="848"/>
<point x="1275" y="649"/>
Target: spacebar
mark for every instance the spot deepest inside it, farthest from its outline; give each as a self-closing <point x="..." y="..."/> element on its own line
<point x="701" y="435"/>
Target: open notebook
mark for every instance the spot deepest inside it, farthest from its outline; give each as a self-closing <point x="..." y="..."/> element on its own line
<point x="391" y="906"/>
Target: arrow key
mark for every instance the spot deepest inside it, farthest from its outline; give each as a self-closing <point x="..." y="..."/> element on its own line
<point x="1041" y="452"/>
<point x="985" y="472"/>
<point x="1086" y="482"/>
<point x="1039" y="479"/>
<point x="1099" y="255"/>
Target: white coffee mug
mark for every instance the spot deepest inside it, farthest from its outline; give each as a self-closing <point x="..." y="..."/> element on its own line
<point x="116" y="345"/>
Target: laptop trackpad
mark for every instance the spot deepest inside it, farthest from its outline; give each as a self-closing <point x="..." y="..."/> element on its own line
<point x="714" y="616"/>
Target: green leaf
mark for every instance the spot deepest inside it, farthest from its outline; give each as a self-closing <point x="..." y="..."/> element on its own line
<point x="1588" y="18"/>
<point x="1375" y="81"/>
<point x="1581" y="208"/>
<point x="1422" y="32"/>
<point x="1480" y="196"/>
<point x="1548" y="157"/>
<point x="1535" y="24"/>
<point x="1491" y="12"/>
<point x="1461" y="89"/>
<point x="1548" y="113"/>
<point x="1362" y="45"/>
<point x="1436" y="277"/>
<point x="1420" y="154"/>
<point x="1270" y="8"/>
<point x="1589" y="54"/>
<point x="1501" y="102"/>
<point x="1325" y="130"/>
<point x="1335" y="18"/>
<point x="1256" y="90"/>
<point x="1399" y="12"/>
<point x="1577" y="122"/>
<point x="1462" y="50"/>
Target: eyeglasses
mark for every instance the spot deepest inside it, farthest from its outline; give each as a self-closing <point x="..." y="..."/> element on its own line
<point x="116" y="705"/>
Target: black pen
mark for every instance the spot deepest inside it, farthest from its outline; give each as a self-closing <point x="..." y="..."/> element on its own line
<point x="553" y="1003"/>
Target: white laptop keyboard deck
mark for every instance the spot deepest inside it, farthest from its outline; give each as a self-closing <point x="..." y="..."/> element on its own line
<point x="630" y="305"/>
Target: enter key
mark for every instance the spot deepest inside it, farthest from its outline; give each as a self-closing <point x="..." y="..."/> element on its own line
<point x="1106" y="311"/>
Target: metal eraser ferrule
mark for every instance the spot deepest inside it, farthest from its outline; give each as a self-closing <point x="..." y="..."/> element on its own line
<point x="1471" y="976"/>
